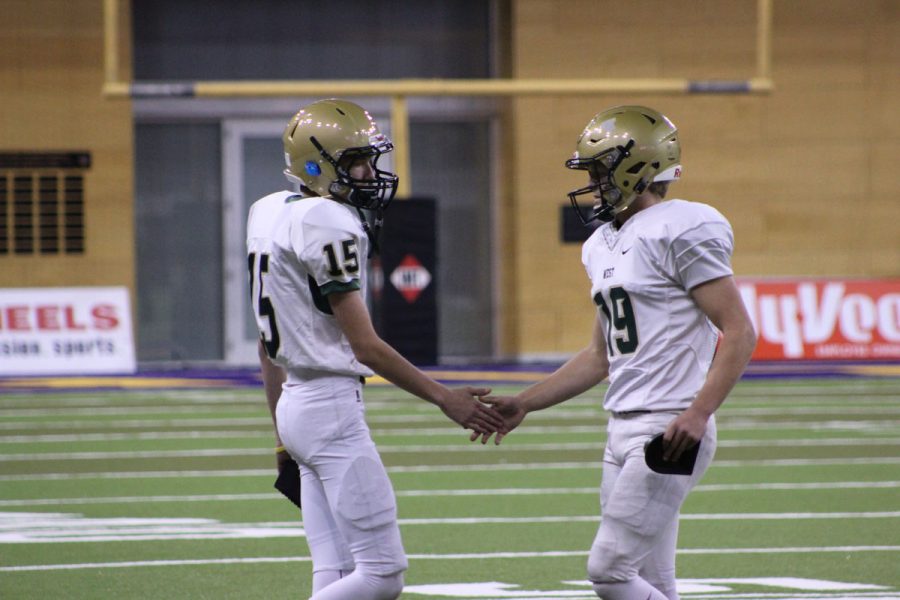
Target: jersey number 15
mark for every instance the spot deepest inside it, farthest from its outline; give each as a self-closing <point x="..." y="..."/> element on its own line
<point x="262" y="306"/>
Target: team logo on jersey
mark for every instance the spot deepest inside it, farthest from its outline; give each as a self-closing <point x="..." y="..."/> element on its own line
<point x="410" y="278"/>
<point x="609" y="236"/>
<point x="607" y="273"/>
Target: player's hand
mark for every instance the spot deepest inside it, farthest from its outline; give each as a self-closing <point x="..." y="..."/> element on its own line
<point x="510" y="409"/>
<point x="463" y="407"/>
<point x="685" y="431"/>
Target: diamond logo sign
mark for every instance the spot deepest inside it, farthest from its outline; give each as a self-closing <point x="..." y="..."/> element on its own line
<point x="410" y="278"/>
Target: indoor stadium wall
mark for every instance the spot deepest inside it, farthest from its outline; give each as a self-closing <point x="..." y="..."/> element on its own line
<point x="51" y="76"/>
<point x="807" y="174"/>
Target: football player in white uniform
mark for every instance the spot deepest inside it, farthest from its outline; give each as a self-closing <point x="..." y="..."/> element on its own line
<point x="671" y="333"/>
<point x="307" y="255"/>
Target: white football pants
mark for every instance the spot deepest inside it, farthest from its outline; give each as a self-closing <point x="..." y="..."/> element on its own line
<point x="349" y="510"/>
<point x="639" y="526"/>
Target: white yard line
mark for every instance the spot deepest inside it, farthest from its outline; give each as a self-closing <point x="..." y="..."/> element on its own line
<point x="150" y="435"/>
<point x="808" y="462"/>
<point x="535" y="491"/>
<point x="6" y="413"/>
<point x="830" y="485"/>
<point x="263" y="422"/>
<point x="200" y="452"/>
<point x="471" y="556"/>
<point x="684" y="517"/>
<point x="573" y="409"/>
<point x="593" y="465"/>
<point x="217" y="396"/>
<point x="489" y="466"/>
<point x="557" y="414"/>
<point x="72" y="438"/>
<point x="550" y="466"/>
<point x="463" y="446"/>
<point x="138" y="475"/>
<point x="67" y="528"/>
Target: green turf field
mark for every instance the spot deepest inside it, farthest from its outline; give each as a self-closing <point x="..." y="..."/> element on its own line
<point x="168" y="494"/>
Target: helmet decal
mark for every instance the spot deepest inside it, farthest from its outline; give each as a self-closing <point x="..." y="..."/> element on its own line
<point x="312" y="168"/>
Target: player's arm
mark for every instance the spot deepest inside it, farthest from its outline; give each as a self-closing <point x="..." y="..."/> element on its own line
<point x="273" y="376"/>
<point x="719" y="300"/>
<point x="579" y="374"/>
<point x="458" y="404"/>
<point x="288" y="481"/>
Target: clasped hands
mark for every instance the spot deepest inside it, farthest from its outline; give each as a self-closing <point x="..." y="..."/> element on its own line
<point x="485" y="415"/>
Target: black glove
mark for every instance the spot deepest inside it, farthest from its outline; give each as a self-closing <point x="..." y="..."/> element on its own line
<point x="653" y="455"/>
<point x="288" y="481"/>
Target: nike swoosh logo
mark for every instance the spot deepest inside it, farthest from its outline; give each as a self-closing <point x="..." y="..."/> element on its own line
<point x="625" y="250"/>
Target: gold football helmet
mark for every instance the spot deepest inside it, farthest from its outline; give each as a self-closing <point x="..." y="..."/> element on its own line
<point x="321" y="141"/>
<point x="625" y="148"/>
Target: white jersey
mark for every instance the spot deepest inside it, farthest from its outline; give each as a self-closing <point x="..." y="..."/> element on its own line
<point x="299" y="251"/>
<point x="659" y="343"/>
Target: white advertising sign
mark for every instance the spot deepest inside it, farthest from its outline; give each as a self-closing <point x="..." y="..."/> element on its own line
<point x="65" y="331"/>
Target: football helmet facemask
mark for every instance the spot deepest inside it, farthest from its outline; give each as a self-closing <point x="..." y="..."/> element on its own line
<point x="323" y="139"/>
<point x="625" y="148"/>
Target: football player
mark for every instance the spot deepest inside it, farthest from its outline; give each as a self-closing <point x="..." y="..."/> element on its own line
<point x="671" y="332"/>
<point x="307" y="254"/>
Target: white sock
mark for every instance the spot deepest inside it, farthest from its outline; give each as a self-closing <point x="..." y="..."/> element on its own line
<point x="360" y="585"/>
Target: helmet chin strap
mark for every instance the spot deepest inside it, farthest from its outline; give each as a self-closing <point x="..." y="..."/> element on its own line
<point x="604" y="214"/>
<point x="373" y="232"/>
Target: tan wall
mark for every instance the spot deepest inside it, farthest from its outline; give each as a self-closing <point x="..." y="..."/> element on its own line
<point x="51" y="75"/>
<point x="807" y="175"/>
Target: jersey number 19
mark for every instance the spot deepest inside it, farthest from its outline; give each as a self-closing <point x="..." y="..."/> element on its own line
<point x="622" y="327"/>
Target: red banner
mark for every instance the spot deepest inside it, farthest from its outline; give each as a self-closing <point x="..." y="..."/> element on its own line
<point x="824" y="319"/>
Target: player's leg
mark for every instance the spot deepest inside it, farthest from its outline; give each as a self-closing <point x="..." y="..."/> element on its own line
<point x="302" y="411"/>
<point x="659" y="566"/>
<point x="363" y="505"/>
<point x="658" y="569"/>
<point x="363" y="585"/>
<point x="649" y="569"/>
<point x="640" y="514"/>
<point x="331" y="557"/>
<point x="361" y="500"/>
<point x="615" y="556"/>
<point x="636" y="508"/>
